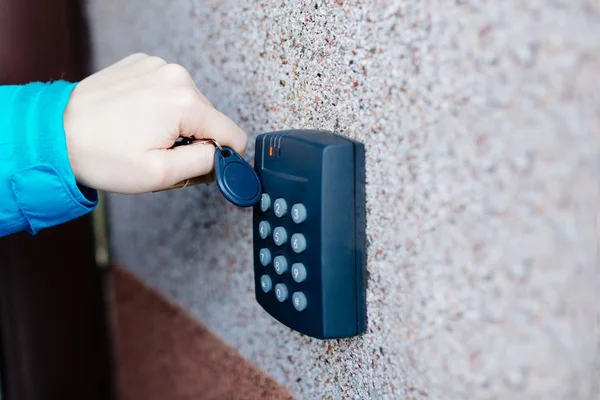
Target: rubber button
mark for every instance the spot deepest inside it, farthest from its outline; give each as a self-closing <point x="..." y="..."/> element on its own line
<point x="265" y="257"/>
<point x="264" y="229"/>
<point x="298" y="213"/>
<point x="298" y="242"/>
<point x="280" y="264"/>
<point x="265" y="202"/>
<point x="299" y="301"/>
<point x="298" y="272"/>
<point x="280" y="207"/>
<point x="281" y="292"/>
<point x="280" y="236"/>
<point x="265" y="283"/>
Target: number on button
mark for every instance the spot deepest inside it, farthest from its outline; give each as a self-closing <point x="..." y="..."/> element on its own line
<point x="280" y="236"/>
<point x="280" y="264"/>
<point x="264" y="229"/>
<point x="265" y="202"/>
<point x="298" y="242"/>
<point x="265" y="283"/>
<point x="299" y="301"/>
<point x="298" y="272"/>
<point x="265" y="257"/>
<point x="280" y="207"/>
<point x="281" y="292"/>
<point x="298" y="213"/>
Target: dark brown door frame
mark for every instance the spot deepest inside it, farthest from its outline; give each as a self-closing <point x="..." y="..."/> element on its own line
<point x="54" y="341"/>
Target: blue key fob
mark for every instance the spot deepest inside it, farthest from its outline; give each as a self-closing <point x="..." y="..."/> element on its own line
<point x="236" y="179"/>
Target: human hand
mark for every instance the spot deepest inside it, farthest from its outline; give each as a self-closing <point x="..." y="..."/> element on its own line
<point x="121" y="122"/>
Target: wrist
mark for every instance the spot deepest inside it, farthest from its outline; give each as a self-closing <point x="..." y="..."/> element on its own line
<point x="70" y="134"/>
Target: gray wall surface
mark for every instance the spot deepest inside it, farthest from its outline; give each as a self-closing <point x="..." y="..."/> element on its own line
<point x="481" y="121"/>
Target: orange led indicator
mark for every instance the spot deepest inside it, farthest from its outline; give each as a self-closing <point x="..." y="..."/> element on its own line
<point x="271" y="151"/>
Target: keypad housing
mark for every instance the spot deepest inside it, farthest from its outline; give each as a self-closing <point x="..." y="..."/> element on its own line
<point x="320" y="174"/>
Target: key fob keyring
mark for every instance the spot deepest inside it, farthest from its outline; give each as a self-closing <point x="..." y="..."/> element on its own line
<point x="236" y="179"/>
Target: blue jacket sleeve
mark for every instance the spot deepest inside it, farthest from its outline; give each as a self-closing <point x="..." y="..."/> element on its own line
<point x="37" y="185"/>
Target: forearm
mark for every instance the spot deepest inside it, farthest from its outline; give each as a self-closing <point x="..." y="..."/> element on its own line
<point x="37" y="186"/>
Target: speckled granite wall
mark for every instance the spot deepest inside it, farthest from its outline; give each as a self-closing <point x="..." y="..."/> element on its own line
<point x="482" y="127"/>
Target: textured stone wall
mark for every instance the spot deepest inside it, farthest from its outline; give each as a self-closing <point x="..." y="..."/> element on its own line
<point x="481" y="121"/>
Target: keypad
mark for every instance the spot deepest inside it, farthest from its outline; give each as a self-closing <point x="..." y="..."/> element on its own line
<point x="311" y="218"/>
<point x="286" y="273"/>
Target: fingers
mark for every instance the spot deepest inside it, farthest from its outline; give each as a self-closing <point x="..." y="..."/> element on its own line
<point x="203" y="98"/>
<point x="206" y="122"/>
<point x="177" y="75"/>
<point x="154" y="70"/>
<point x="187" y="162"/>
<point x="200" y="121"/>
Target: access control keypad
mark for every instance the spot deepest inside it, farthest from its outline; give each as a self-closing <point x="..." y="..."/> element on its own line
<point x="280" y="262"/>
<point x="309" y="232"/>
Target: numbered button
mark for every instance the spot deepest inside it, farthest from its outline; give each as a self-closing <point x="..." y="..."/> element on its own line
<point x="298" y="242"/>
<point x="298" y="272"/>
<point x="280" y="208"/>
<point x="299" y="301"/>
<point x="265" y="283"/>
<point x="281" y="292"/>
<point x="265" y="202"/>
<point x="298" y="213"/>
<point x="279" y="236"/>
<point x="265" y="257"/>
<point x="264" y="229"/>
<point x="280" y="264"/>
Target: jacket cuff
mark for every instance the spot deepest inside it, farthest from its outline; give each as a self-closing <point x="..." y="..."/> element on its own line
<point x="64" y="201"/>
<point x="44" y="183"/>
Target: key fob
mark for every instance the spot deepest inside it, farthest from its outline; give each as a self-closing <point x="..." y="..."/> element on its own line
<point x="236" y="179"/>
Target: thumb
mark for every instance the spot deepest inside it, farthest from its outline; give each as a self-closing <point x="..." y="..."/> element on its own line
<point x="188" y="161"/>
